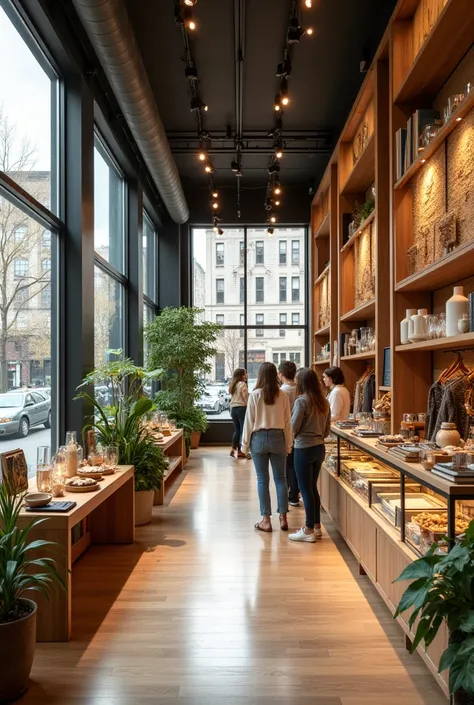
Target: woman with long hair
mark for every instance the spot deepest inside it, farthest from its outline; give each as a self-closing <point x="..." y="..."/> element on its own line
<point x="267" y="432"/>
<point x="311" y="423"/>
<point x="239" y="393"/>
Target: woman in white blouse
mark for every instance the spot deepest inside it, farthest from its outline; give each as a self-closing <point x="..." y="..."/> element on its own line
<point x="267" y="434"/>
<point x="339" y="397"/>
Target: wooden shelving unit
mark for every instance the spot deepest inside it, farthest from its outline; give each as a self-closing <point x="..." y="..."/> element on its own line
<point x="426" y="56"/>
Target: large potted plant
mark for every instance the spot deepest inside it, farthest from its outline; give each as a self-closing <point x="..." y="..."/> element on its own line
<point x="442" y="589"/>
<point x="121" y="423"/>
<point x="21" y="569"/>
<point x="182" y="345"/>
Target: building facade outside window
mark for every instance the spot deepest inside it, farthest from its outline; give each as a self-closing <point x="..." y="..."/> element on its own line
<point x="295" y="319"/>
<point x="259" y="252"/>
<point x="241" y="253"/>
<point x="257" y="313"/>
<point x="219" y="254"/>
<point x="220" y="318"/>
<point x="219" y="291"/>
<point x="295" y="252"/>
<point x="282" y="250"/>
<point x="295" y="289"/>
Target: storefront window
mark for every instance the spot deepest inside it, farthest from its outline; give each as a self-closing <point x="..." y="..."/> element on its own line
<point x="108" y="316"/>
<point x="109" y="210"/>
<point x="261" y="309"/>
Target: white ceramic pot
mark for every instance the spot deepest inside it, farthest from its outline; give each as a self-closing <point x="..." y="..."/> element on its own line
<point x="143" y="507"/>
<point x="419" y="327"/>
<point x="448" y="435"/>
<point x="406" y="326"/>
<point x="456" y="306"/>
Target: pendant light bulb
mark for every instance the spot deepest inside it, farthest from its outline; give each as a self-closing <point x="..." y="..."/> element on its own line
<point x="308" y="3"/>
<point x="208" y="168"/>
<point x="277" y="190"/>
<point x="273" y="219"/>
<point x="278" y="154"/>
<point x="310" y="31"/>
<point x="192" y="25"/>
<point x="277" y="203"/>
<point x="215" y="205"/>
<point x="214" y="194"/>
<point x="202" y="156"/>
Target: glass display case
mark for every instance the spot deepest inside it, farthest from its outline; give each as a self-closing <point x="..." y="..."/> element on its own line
<point x="409" y="497"/>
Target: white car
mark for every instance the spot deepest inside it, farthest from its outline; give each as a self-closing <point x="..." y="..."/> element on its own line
<point x="211" y="402"/>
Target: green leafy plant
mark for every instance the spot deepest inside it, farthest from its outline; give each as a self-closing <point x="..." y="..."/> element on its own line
<point x="442" y="589"/>
<point x="181" y="344"/>
<point x="19" y="569"/>
<point x="121" y="422"/>
<point x="362" y="211"/>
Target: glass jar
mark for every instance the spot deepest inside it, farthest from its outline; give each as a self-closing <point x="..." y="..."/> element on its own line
<point x="461" y="460"/>
<point x="58" y="484"/>
<point x="428" y="458"/>
<point x="111" y="456"/>
<point x="454" y="102"/>
<point x="463" y="323"/>
<point x="428" y="134"/>
<point x="43" y="479"/>
<point x="43" y="457"/>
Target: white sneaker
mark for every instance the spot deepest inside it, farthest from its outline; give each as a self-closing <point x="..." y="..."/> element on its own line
<point x="301" y="535"/>
<point x="318" y="533"/>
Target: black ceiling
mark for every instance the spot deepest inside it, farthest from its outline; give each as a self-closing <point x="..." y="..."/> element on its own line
<point x="324" y="81"/>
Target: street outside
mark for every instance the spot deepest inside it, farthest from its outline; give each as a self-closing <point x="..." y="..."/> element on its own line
<point x="37" y="437"/>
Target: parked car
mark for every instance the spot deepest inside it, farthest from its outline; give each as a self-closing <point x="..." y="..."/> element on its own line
<point x="20" y="411"/>
<point x="211" y="402"/>
<point x="45" y="391"/>
<point x="223" y="393"/>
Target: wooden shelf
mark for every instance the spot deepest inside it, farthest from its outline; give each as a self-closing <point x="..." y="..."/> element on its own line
<point x="324" y="228"/>
<point x="359" y="231"/>
<point x="359" y="356"/>
<point x="323" y="274"/>
<point x="385" y="389"/>
<point x="446" y="45"/>
<point x="466" y="106"/>
<point x="451" y="343"/>
<point x="363" y="172"/>
<point x="452" y="268"/>
<point x="361" y="313"/>
<point x="323" y="331"/>
<point x="174" y="461"/>
<point x="327" y="363"/>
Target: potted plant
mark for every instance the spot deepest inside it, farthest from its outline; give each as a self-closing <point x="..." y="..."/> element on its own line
<point x="121" y="423"/>
<point x="442" y="589"/>
<point x="21" y="569"/>
<point x="182" y="345"/>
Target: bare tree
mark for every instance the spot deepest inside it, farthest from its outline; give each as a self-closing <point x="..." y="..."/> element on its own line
<point x="23" y="277"/>
<point x="231" y="343"/>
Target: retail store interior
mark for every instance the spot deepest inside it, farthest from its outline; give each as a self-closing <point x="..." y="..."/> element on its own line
<point x="199" y="199"/>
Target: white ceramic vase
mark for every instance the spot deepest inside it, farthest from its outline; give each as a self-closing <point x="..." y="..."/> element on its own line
<point x="456" y="306"/>
<point x="406" y="326"/>
<point x="448" y="435"/>
<point x="419" y="326"/>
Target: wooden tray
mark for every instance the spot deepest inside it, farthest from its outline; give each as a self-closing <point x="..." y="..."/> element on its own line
<point x="86" y="488"/>
<point x="110" y="471"/>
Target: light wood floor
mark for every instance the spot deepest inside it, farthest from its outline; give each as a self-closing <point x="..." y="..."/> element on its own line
<point x="204" y="610"/>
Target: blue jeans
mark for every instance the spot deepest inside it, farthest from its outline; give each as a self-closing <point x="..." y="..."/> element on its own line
<point x="308" y="463"/>
<point x="237" y="414"/>
<point x="265" y="446"/>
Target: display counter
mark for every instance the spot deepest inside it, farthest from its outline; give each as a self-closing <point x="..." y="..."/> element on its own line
<point x="390" y="512"/>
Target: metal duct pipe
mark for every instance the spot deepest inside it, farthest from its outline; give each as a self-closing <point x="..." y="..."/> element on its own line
<point x="110" y="31"/>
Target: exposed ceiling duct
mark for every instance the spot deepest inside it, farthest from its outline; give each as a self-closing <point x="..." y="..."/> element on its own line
<point x="111" y="34"/>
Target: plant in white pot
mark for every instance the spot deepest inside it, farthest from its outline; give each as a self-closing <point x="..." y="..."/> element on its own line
<point x="121" y="424"/>
<point x="442" y="589"/>
<point x="23" y="567"/>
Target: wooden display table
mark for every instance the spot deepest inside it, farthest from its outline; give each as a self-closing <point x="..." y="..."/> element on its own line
<point x="175" y="449"/>
<point x="104" y="516"/>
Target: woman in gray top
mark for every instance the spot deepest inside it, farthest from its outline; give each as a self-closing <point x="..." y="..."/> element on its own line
<point x="311" y="423"/>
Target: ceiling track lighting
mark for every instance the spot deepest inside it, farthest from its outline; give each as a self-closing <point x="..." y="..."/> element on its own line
<point x="308" y="3"/>
<point x="191" y="74"/>
<point x="197" y="104"/>
<point x="274" y="168"/>
<point x="284" y="97"/>
<point x="209" y="168"/>
<point x="277" y="103"/>
<point x="284" y="69"/>
<point x="190" y="3"/>
<point x="188" y="19"/>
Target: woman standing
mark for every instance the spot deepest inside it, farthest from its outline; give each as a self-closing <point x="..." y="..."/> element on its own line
<point x="311" y="423"/>
<point x="239" y="393"/>
<point x="267" y="431"/>
<point x="339" y="397"/>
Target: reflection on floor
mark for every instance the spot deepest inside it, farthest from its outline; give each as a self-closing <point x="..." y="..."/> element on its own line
<point x="204" y="610"/>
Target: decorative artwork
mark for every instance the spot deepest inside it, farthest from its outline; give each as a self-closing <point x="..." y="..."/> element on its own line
<point x="324" y="304"/>
<point x="412" y="255"/>
<point x="446" y="232"/>
<point x="14" y="470"/>
<point x="365" y="265"/>
<point x="360" y="140"/>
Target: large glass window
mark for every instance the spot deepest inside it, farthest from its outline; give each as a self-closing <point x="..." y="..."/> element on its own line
<point x="29" y="131"/>
<point x="109" y="245"/>
<point x="295" y="252"/>
<point x="109" y="208"/>
<point x="28" y="100"/>
<point x="150" y="265"/>
<point x="259" y="317"/>
<point x="295" y="289"/>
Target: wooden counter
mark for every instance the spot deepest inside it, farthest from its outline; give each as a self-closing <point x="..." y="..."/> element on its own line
<point x="104" y="516"/>
<point x="174" y="448"/>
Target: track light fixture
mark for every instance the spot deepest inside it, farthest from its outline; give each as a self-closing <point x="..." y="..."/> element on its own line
<point x="277" y="103"/>
<point x="272" y="219"/>
<point x="191" y="74"/>
<point x="215" y="205"/>
<point x="190" y="3"/>
<point x="270" y="231"/>
<point x="209" y="169"/>
<point x="189" y="22"/>
<point x="277" y="190"/>
<point x="214" y="194"/>
<point x="308" y="3"/>
<point x="295" y="31"/>
<point x="202" y="156"/>
<point x="274" y="168"/>
<point x="234" y="166"/>
<point x="277" y="203"/>
<point x="198" y="104"/>
<point x="284" y="97"/>
<point x="284" y="69"/>
<point x="309" y="31"/>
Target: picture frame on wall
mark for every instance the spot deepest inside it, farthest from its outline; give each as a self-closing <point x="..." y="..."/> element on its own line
<point x="14" y="470"/>
<point x="387" y="374"/>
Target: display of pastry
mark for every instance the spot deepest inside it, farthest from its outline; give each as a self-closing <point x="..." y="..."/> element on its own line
<point x="396" y="438"/>
<point x="90" y="470"/>
<point x="80" y="482"/>
<point x="438" y="523"/>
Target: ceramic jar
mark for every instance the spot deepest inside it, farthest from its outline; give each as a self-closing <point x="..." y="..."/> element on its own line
<point x="406" y="326"/>
<point x="448" y="435"/>
<point x="463" y="323"/>
<point x="420" y="328"/>
<point x="456" y="307"/>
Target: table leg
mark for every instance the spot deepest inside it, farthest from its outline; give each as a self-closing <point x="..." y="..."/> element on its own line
<point x="114" y="520"/>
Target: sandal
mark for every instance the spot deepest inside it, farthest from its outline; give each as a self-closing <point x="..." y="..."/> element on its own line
<point x="259" y="527"/>
<point x="283" y="524"/>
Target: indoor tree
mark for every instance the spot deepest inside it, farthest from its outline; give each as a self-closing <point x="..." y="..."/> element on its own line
<point x="182" y="346"/>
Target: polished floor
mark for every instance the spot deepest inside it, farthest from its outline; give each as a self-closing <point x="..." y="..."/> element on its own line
<point x="204" y="610"/>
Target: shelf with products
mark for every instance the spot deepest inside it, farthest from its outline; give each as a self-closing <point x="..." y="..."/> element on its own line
<point x="323" y="332"/>
<point x="323" y="274"/>
<point x="452" y="343"/>
<point x="363" y="171"/>
<point x="428" y="45"/>
<point x="359" y="356"/>
<point x="384" y="389"/>
<point x="360" y="230"/>
<point x="363" y="312"/>
<point x="452" y="267"/>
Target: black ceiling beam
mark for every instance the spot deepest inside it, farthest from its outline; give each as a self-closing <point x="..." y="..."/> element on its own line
<point x="190" y="149"/>
<point x="255" y="135"/>
<point x="239" y="50"/>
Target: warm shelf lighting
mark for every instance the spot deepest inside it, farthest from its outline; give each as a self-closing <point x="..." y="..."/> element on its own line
<point x="310" y="31"/>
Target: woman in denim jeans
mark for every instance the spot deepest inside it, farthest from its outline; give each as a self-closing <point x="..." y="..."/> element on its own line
<point x="267" y="432"/>
<point x="311" y="423"/>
